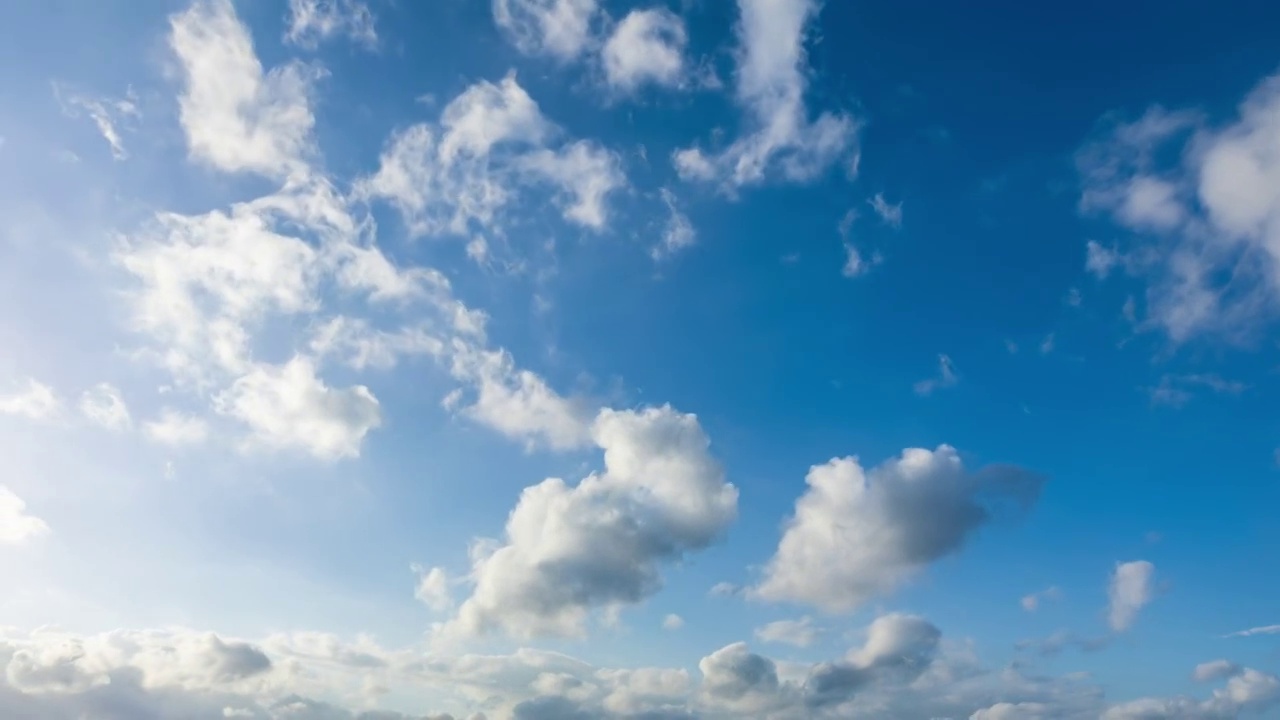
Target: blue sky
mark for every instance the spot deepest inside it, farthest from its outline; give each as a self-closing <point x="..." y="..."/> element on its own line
<point x="572" y="358"/>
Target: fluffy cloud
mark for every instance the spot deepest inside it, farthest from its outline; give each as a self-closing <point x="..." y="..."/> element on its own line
<point x="175" y="428"/>
<point x="559" y="29"/>
<point x="1247" y="691"/>
<point x="1206" y="228"/>
<point x="1132" y="587"/>
<point x="312" y="21"/>
<point x="770" y="85"/>
<point x="17" y="527"/>
<point x="36" y="402"/>
<point x="103" y="406"/>
<point x="490" y="143"/>
<point x="800" y="633"/>
<point x="569" y="550"/>
<point x="856" y="534"/>
<point x="646" y="47"/>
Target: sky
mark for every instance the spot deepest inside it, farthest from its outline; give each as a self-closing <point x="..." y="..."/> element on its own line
<point x="596" y="359"/>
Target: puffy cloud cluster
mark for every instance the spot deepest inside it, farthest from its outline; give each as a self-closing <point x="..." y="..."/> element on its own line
<point x="313" y="21"/>
<point x="1206" y="224"/>
<point x="569" y="550"/>
<point x="860" y="534"/>
<point x="779" y="139"/>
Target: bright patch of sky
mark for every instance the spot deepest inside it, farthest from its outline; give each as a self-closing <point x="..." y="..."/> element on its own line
<point x="532" y="359"/>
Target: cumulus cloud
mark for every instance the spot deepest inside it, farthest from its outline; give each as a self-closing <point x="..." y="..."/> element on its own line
<point x="569" y="550"/>
<point x="36" y="402"/>
<point x="433" y="588"/>
<point x="672" y="622"/>
<point x="1032" y="602"/>
<point x="103" y="406"/>
<point x="1204" y="225"/>
<point x="647" y="46"/>
<point x="1246" y="691"/>
<point x="800" y="633"/>
<point x="313" y="21"/>
<point x="17" y="526"/>
<point x="945" y="378"/>
<point x="770" y="84"/>
<point x="491" y="142"/>
<point x="236" y="117"/>
<point x="860" y="534"/>
<point x="1131" y="589"/>
<point x="560" y="29"/>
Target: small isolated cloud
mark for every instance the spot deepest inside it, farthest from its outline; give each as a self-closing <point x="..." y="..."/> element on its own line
<point x="672" y="622"/>
<point x="1177" y="390"/>
<point x="107" y="115"/>
<point x="103" y="406"/>
<point x="1099" y="260"/>
<point x="800" y="633"/>
<point x="314" y="21"/>
<point x="1260" y="630"/>
<point x="889" y="213"/>
<point x="780" y="139"/>
<point x="600" y="544"/>
<point x="560" y="29"/>
<point x="433" y="588"/>
<point x="36" y="402"/>
<point x="1032" y="602"/>
<point x="17" y="527"/>
<point x="1048" y="343"/>
<point x="945" y="378"/>
<point x="859" y="534"/>
<point x="677" y="234"/>
<point x="646" y="47"/>
<point x="176" y="428"/>
<point x="1131" y="589"/>
<point x="724" y="589"/>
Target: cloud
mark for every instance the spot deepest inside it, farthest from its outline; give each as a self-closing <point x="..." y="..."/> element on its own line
<point x="1176" y="390"/>
<point x="1100" y="260"/>
<point x="490" y="144"/>
<point x="107" y="115"/>
<point x="1130" y="590"/>
<point x="1247" y="691"/>
<point x="888" y="213"/>
<point x="314" y="21"/>
<point x="770" y="84"/>
<point x="17" y="527"/>
<point x="559" y="29"/>
<point x="677" y="234"/>
<point x="1261" y="630"/>
<point x="646" y="47"/>
<point x="288" y="406"/>
<point x="1031" y="602"/>
<point x="36" y="402"/>
<point x="1201" y="206"/>
<point x="103" y="406"/>
<point x="672" y="622"/>
<point x="569" y="550"/>
<point x="237" y="118"/>
<point x="800" y="633"/>
<point x="433" y="588"/>
<point x="861" y="534"/>
<point x="1215" y="670"/>
<point x="175" y="428"/>
<point x="946" y="377"/>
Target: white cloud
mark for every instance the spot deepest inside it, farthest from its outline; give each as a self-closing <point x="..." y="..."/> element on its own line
<point x="103" y="406"/>
<point x="176" y="428"/>
<point x="1206" y="227"/>
<point x="1130" y="590"/>
<point x="569" y="550"/>
<point x="946" y="377"/>
<point x="1176" y="390"/>
<point x="1261" y="630"/>
<point x="106" y="115"/>
<point x="888" y="213"/>
<point x="770" y="85"/>
<point x="1100" y="260"/>
<point x="289" y="406"/>
<point x="17" y="527"/>
<point x="856" y="535"/>
<point x="1247" y="691"/>
<point x="646" y="47"/>
<point x="433" y="588"/>
<point x="313" y="21"/>
<point x="1032" y="602"/>
<point x="559" y="29"/>
<point x="36" y="402"/>
<point x="1215" y="670"/>
<point x="490" y="144"/>
<point x="672" y="622"/>
<point x="236" y="117"/>
<point x="800" y="633"/>
<point x="678" y="233"/>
